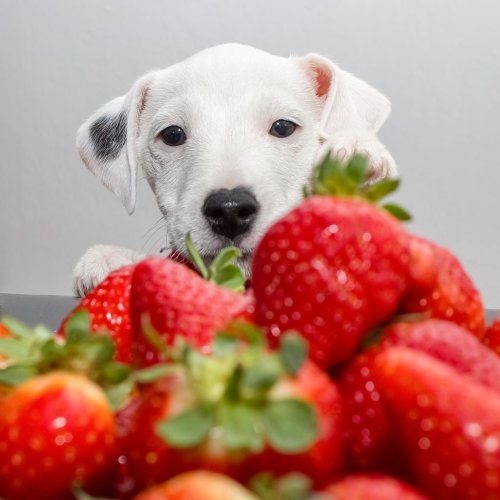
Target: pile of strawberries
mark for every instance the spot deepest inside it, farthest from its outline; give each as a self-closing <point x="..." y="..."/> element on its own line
<point x="357" y="365"/>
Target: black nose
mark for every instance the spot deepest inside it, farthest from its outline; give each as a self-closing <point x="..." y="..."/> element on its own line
<point x="230" y="212"/>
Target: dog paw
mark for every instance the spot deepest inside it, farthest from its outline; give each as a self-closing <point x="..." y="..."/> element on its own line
<point x="96" y="263"/>
<point x="381" y="164"/>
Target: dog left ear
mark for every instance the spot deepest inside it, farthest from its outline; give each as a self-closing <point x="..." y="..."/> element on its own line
<point x="107" y="141"/>
<point x="349" y="102"/>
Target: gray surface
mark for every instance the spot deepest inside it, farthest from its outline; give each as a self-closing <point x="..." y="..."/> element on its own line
<point x="436" y="60"/>
<point x="51" y="309"/>
<point x="37" y="309"/>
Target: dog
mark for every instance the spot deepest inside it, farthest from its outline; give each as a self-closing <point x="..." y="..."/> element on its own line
<point x="227" y="140"/>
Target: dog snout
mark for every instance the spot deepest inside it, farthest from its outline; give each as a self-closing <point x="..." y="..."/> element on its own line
<point x="230" y="212"/>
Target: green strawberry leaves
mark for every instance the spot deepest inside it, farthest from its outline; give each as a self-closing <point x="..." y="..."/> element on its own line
<point x="396" y="211"/>
<point x="293" y="352"/>
<point x="290" y="425"/>
<point x="241" y="429"/>
<point x="16" y="374"/>
<point x="293" y="486"/>
<point x="187" y="429"/>
<point x="233" y="391"/>
<point x="232" y="386"/>
<point x="334" y="178"/>
<point x="222" y="271"/>
<point x="34" y="351"/>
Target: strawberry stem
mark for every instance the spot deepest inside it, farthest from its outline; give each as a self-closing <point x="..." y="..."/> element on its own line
<point x="335" y="178"/>
<point x="232" y="389"/>
<point x="222" y="271"/>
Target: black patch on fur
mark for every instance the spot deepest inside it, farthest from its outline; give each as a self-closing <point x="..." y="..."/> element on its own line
<point x="109" y="135"/>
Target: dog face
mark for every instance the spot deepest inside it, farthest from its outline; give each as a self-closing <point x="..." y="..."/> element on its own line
<point x="226" y="139"/>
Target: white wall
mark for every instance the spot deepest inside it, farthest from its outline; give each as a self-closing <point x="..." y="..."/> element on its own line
<point x="439" y="62"/>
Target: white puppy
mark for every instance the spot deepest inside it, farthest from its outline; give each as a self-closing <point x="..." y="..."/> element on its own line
<point x="227" y="139"/>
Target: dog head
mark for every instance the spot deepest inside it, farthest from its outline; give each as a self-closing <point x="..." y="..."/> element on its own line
<point x="226" y="139"/>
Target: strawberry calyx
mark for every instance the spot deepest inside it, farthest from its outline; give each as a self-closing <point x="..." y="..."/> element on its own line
<point x="222" y="271"/>
<point x="30" y="352"/>
<point x="232" y="388"/>
<point x="351" y="179"/>
<point x="294" y="486"/>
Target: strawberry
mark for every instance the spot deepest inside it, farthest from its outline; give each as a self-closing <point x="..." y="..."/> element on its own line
<point x="237" y="411"/>
<point x="371" y="439"/>
<point x="333" y="267"/>
<point x="56" y="430"/>
<point x="177" y="301"/>
<point x="196" y="485"/>
<point x="439" y="286"/>
<point x="372" y="487"/>
<point x="4" y="331"/>
<point x="491" y="337"/>
<point x="449" y="343"/>
<point x="368" y="433"/>
<point x="448" y="424"/>
<point x="109" y="308"/>
<point x="53" y="381"/>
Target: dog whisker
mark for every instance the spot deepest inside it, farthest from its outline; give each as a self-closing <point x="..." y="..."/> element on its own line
<point x="156" y="246"/>
<point x="154" y="227"/>
<point x="156" y="232"/>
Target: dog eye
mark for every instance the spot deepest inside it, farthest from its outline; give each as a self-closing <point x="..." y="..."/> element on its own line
<point x="173" y="136"/>
<point x="282" y="128"/>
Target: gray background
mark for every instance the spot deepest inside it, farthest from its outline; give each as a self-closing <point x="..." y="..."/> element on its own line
<point x="438" y="62"/>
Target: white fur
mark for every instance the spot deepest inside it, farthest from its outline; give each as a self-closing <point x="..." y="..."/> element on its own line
<point x="226" y="99"/>
<point x="97" y="262"/>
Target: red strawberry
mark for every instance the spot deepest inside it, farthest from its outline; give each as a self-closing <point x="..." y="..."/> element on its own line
<point x="237" y="413"/>
<point x="55" y="430"/>
<point x="196" y="485"/>
<point x="440" y="286"/>
<point x="449" y="343"/>
<point x="4" y="332"/>
<point x="449" y="424"/>
<point x="371" y="440"/>
<point x="491" y="338"/>
<point x="359" y="487"/>
<point x="109" y="308"/>
<point x="179" y="302"/>
<point x="332" y="268"/>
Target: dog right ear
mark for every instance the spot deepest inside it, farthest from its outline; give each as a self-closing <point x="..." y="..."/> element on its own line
<point x="107" y="141"/>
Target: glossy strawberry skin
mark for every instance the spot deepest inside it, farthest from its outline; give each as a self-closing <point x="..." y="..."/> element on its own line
<point x="370" y="435"/>
<point x="373" y="487"/>
<point x="196" y="485"/>
<point x="331" y="269"/>
<point x="55" y="430"/>
<point x="371" y="442"/>
<point x="179" y="302"/>
<point x="109" y="308"/>
<point x="4" y="332"/>
<point x="439" y="285"/>
<point x="451" y="344"/>
<point x="491" y="338"/>
<point x="148" y="460"/>
<point x="448" y="424"/>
